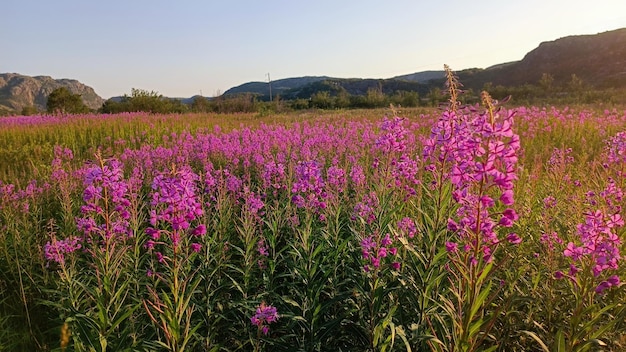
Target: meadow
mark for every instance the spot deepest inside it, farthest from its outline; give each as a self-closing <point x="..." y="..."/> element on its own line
<point x="465" y="228"/>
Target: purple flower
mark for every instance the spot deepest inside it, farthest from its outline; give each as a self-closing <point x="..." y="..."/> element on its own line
<point x="514" y="238"/>
<point x="549" y="202"/>
<point x="451" y="247"/>
<point x="308" y="188"/>
<point x="507" y="197"/>
<point x="196" y="247"/>
<point x="175" y="204"/>
<point x="393" y="135"/>
<point x="264" y="316"/>
<point x="262" y="248"/>
<point x="55" y="250"/>
<point x="200" y="230"/>
<point x="558" y="275"/>
<point x="478" y="154"/>
<point x="374" y="249"/>
<point x="105" y="218"/>
<point x="572" y="251"/>
<point x="407" y="225"/>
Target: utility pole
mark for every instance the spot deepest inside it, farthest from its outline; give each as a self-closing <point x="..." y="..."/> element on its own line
<point x="269" y="82"/>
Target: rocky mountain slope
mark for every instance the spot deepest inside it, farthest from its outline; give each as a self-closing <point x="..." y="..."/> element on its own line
<point x="19" y="91"/>
<point x="598" y="60"/>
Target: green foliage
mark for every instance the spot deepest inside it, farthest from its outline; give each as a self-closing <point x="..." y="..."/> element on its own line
<point x="144" y="101"/>
<point x="29" y="110"/>
<point x="62" y="101"/>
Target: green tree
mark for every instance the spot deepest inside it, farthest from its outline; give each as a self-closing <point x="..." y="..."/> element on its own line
<point x="29" y="111"/>
<point x="145" y="101"/>
<point x="200" y="104"/>
<point x="322" y="100"/>
<point x="435" y="96"/>
<point x="546" y="82"/>
<point x="375" y="98"/>
<point x="575" y="84"/>
<point x="62" y="101"/>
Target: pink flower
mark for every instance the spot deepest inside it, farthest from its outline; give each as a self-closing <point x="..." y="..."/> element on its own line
<point x="514" y="238"/>
<point x="451" y="247"/>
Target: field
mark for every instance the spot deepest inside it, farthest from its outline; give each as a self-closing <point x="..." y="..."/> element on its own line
<point x="482" y="228"/>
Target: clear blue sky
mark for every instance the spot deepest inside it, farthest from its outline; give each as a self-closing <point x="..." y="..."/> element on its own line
<point x="182" y="48"/>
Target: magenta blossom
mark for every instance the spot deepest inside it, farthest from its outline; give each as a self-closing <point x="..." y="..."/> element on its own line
<point x="264" y="316"/>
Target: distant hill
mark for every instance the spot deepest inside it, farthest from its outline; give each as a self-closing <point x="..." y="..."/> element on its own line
<point x="304" y="87"/>
<point x="422" y="77"/>
<point x="278" y="86"/>
<point x="599" y="60"/>
<point x="19" y="91"/>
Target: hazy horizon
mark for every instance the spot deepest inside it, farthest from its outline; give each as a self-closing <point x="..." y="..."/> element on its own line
<point x="205" y="47"/>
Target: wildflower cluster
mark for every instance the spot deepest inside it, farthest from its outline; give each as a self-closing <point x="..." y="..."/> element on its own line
<point x="616" y="153"/>
<point x="175" y="205"/>
<point x="393" y="136"/>
<point x="106" y="205"/>
<point x="367" y="208"/>
<point x="308" y="188"/>
<point x="55" y="250"/>
<point x="407" y="226"/>
<point x="480" y="151"/>
<point x="264" y="316"/>
<point x="599" y="248"/>
<point x="374" y="249"/>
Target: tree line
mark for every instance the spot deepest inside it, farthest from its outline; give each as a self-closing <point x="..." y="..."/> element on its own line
<point x="545" y="91"/>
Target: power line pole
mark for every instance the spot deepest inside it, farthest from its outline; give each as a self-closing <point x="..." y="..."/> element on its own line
<point x="269" y="82"/>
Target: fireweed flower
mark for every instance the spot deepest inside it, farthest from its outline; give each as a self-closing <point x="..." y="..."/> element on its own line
<point x="478" y="153"/>
<point x="175" y="206"/>
<point x="404" y="171"/>
<point x="407" y="226"/>
<point x="106" y="197"/>
<point x="264" y="316"/>
<point x="367" y="208"/>
<point x="616" y="153"/>
<point x="263" y="251"/>
<point x="308" y="188"/>
<point x="393" y="135"/>
<point x="252" y="203"/>
<point x="599" y="244"/>
<point x="273" y="176"/>
<point x="55" y="250"/>
<point x="375" y="248"/>
<point x="550" y="239"/>
<point x="336" y="179"/>
<point x="357" y="176"/>
<point x="549" y="202"/>
<point x="560" y="158"/>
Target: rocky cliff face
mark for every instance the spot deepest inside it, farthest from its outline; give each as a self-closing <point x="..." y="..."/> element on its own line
<point x="19" y="91"/>
<point x="599" y="60"/>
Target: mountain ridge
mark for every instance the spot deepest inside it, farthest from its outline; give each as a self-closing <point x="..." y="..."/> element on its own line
<point x="19" y="91"/>
<point x="599" y="60"/>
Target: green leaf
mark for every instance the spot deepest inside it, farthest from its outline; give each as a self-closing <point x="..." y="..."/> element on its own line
<point x="559" y="340"/>
<point x="534" y="336"/>
<point x="480" y="300"/>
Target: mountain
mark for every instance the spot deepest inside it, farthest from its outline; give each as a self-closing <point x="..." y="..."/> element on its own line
<point x="422" y="77"/>
<point x="599" y="60"/>
<point x="19" y="91"/>
<point x="278" y="86"/>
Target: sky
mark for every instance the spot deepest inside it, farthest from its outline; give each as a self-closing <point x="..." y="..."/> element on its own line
<point x="185" y="48"/>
